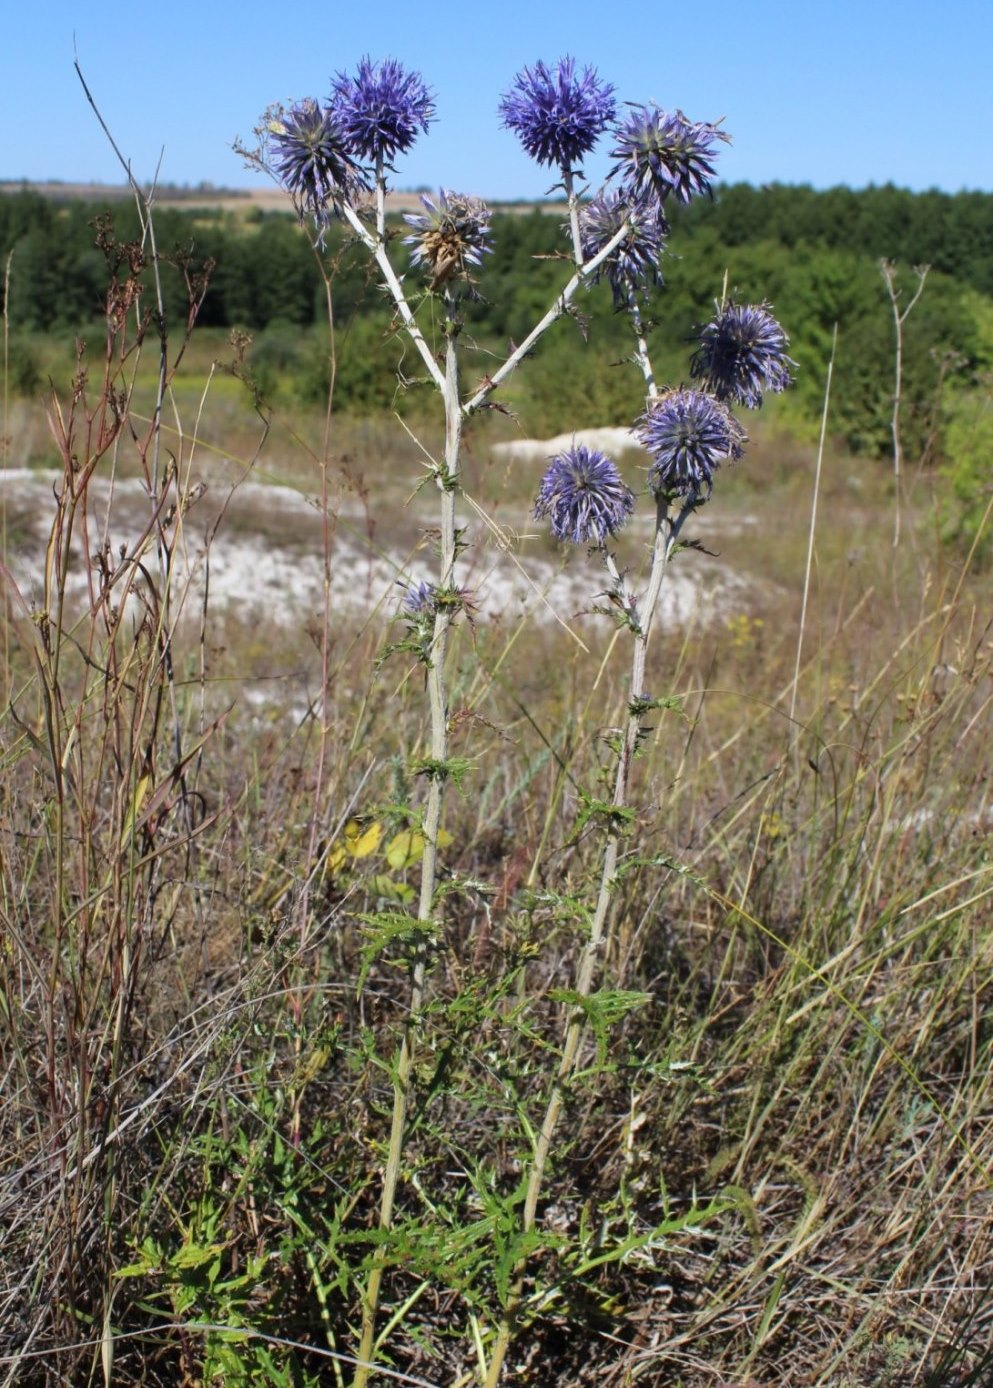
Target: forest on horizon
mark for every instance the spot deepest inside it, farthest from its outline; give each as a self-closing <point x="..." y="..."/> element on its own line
<point x="814" y="255"/>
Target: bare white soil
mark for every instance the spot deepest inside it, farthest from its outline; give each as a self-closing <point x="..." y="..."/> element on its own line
<point x="257" y="550"/>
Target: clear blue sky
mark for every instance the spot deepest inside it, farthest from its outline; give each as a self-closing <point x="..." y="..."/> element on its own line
<point x="854" y="91"/>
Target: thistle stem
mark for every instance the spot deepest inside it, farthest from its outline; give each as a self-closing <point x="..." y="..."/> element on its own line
<point x="641" y="356"/>
<point x="447" y="479"/>
<point x="667" y="529"/>
<point x="596" y="944"/>
<point x="570" y="192"/>
<point x="378" y="250"/>
<point x="380" y="201"/>
<point x="582" y="276"/>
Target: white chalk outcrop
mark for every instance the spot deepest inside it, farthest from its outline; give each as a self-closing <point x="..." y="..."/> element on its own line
<point x="615" y="442"/>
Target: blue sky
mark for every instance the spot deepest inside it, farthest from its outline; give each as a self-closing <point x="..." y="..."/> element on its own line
<point x="855" y="91"/>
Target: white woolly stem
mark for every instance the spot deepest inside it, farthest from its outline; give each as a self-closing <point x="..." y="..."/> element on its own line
<point x="570" y="192"/>
<point x="582" y="276"/>
<point x="666" y="531"/>
<point x="378" y="250"/>
<point x="438" y="699"/>
<point x="380" y="200"/>
<point x="641" y="353"/>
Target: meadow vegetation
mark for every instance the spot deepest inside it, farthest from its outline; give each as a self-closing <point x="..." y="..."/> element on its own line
<point x="815" y="255"/>
<point x="775" y="1154"/>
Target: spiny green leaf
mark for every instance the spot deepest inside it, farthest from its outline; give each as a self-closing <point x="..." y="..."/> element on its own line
<point x="658" y="860"/>
<point x="454" y="769"/>
<point x="615" y="817"/>
<point x="643" y="704"/>
<point x="387" y="928"/>
<point x="694" y="1217"/>
<point x="193" y="1255"/>
<point x="603" y="1010"/>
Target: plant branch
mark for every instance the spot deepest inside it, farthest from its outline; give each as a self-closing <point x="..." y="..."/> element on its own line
<point x="888" y="270"/>
<point x="378" y="250"/>
<point x="583" y="275"/>
<point x="573" y="200"/>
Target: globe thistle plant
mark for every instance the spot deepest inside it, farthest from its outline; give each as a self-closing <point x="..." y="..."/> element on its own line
<point x="663" y="154"/>
<point x="450" y="237"/>
<point x="742" y="353"/>
<point x="558" y="114"/>
<point x="687" y="434"/>
<point x="583" y="497"/>
<point x="312" y="158"/>
<point x="382" y="109"/>
<point x="326" y="154"/>
<point x="633" y="267"/>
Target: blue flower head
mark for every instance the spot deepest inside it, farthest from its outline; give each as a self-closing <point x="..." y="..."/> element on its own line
<point x="450" y="237"/>
<point x="742" y="353"/>
<point x="382" y="109"/>
<point x="583" y="497"/>
<point x="558" y="114"/>
<point x="687" y="434"/>
<point x="419" y="599"/>
<point x="312" y="159"/>
<point x="633" y="267"/>
<point x="662" y="154"/>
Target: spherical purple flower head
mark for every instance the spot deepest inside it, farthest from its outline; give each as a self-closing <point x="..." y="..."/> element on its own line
<point x="662" y="153"/>
<point x="451" y="236"/>
<point x="558" y="114"/>
<point x="742" y="353"/>
<point x="634" y="265"/>
<point x="583" y="497"/>
<point x="688" y="434"/>
<point x="312" y="159"/>
<point x="419" y="600"/>
<point x="382" y="109"/>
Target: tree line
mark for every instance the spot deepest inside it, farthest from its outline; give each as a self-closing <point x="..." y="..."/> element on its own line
<point x="814" y="255"/>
